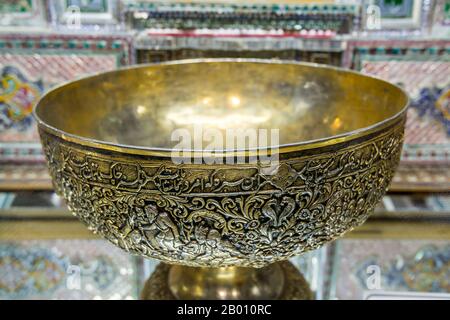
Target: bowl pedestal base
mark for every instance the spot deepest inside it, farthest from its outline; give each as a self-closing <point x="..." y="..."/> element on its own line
<point x="280" y="280"/>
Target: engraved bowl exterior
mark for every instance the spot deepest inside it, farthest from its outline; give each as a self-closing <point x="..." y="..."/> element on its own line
<point x="225" y="215"/>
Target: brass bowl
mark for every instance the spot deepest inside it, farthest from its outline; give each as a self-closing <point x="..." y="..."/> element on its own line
<point x="107" y="143"/>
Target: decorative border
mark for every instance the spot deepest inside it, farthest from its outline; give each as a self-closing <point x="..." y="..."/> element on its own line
<point x="63" y="44"/>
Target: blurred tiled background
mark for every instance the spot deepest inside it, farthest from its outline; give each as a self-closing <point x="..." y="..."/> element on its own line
<point x="45" y="253"/>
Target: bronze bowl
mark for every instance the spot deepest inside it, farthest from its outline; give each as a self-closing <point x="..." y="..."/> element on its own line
<point x="107" y="140"/>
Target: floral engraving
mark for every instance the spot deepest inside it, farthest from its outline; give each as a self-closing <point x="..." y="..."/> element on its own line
<point x="222" y="215"/>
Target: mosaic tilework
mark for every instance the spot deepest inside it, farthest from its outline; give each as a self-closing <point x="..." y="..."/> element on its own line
<point x="422" y="68"/>
<point x="66" y="269"/>
<point x="35" y="73"/>
<point x="154" y="56"/>
<point x="6" y="199"/>
<point x="403" y="265"/>
<point x="25" y="177"/>
<point x="441" y="21"/>
<point x="23" y="13"/>
<point x="30" y="65"/>
<point x="295" y="17"/>
<point x="312" y="265"/>
<point x="409" y="177"/>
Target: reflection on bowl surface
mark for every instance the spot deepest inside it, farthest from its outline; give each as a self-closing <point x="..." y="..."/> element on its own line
<point x="143" y="106"/>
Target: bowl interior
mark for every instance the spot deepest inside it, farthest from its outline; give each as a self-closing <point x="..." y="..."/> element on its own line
<point x="143" y="106"/>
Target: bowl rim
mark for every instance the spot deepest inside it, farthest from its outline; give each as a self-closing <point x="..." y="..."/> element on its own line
<point x="168" y="152"/>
